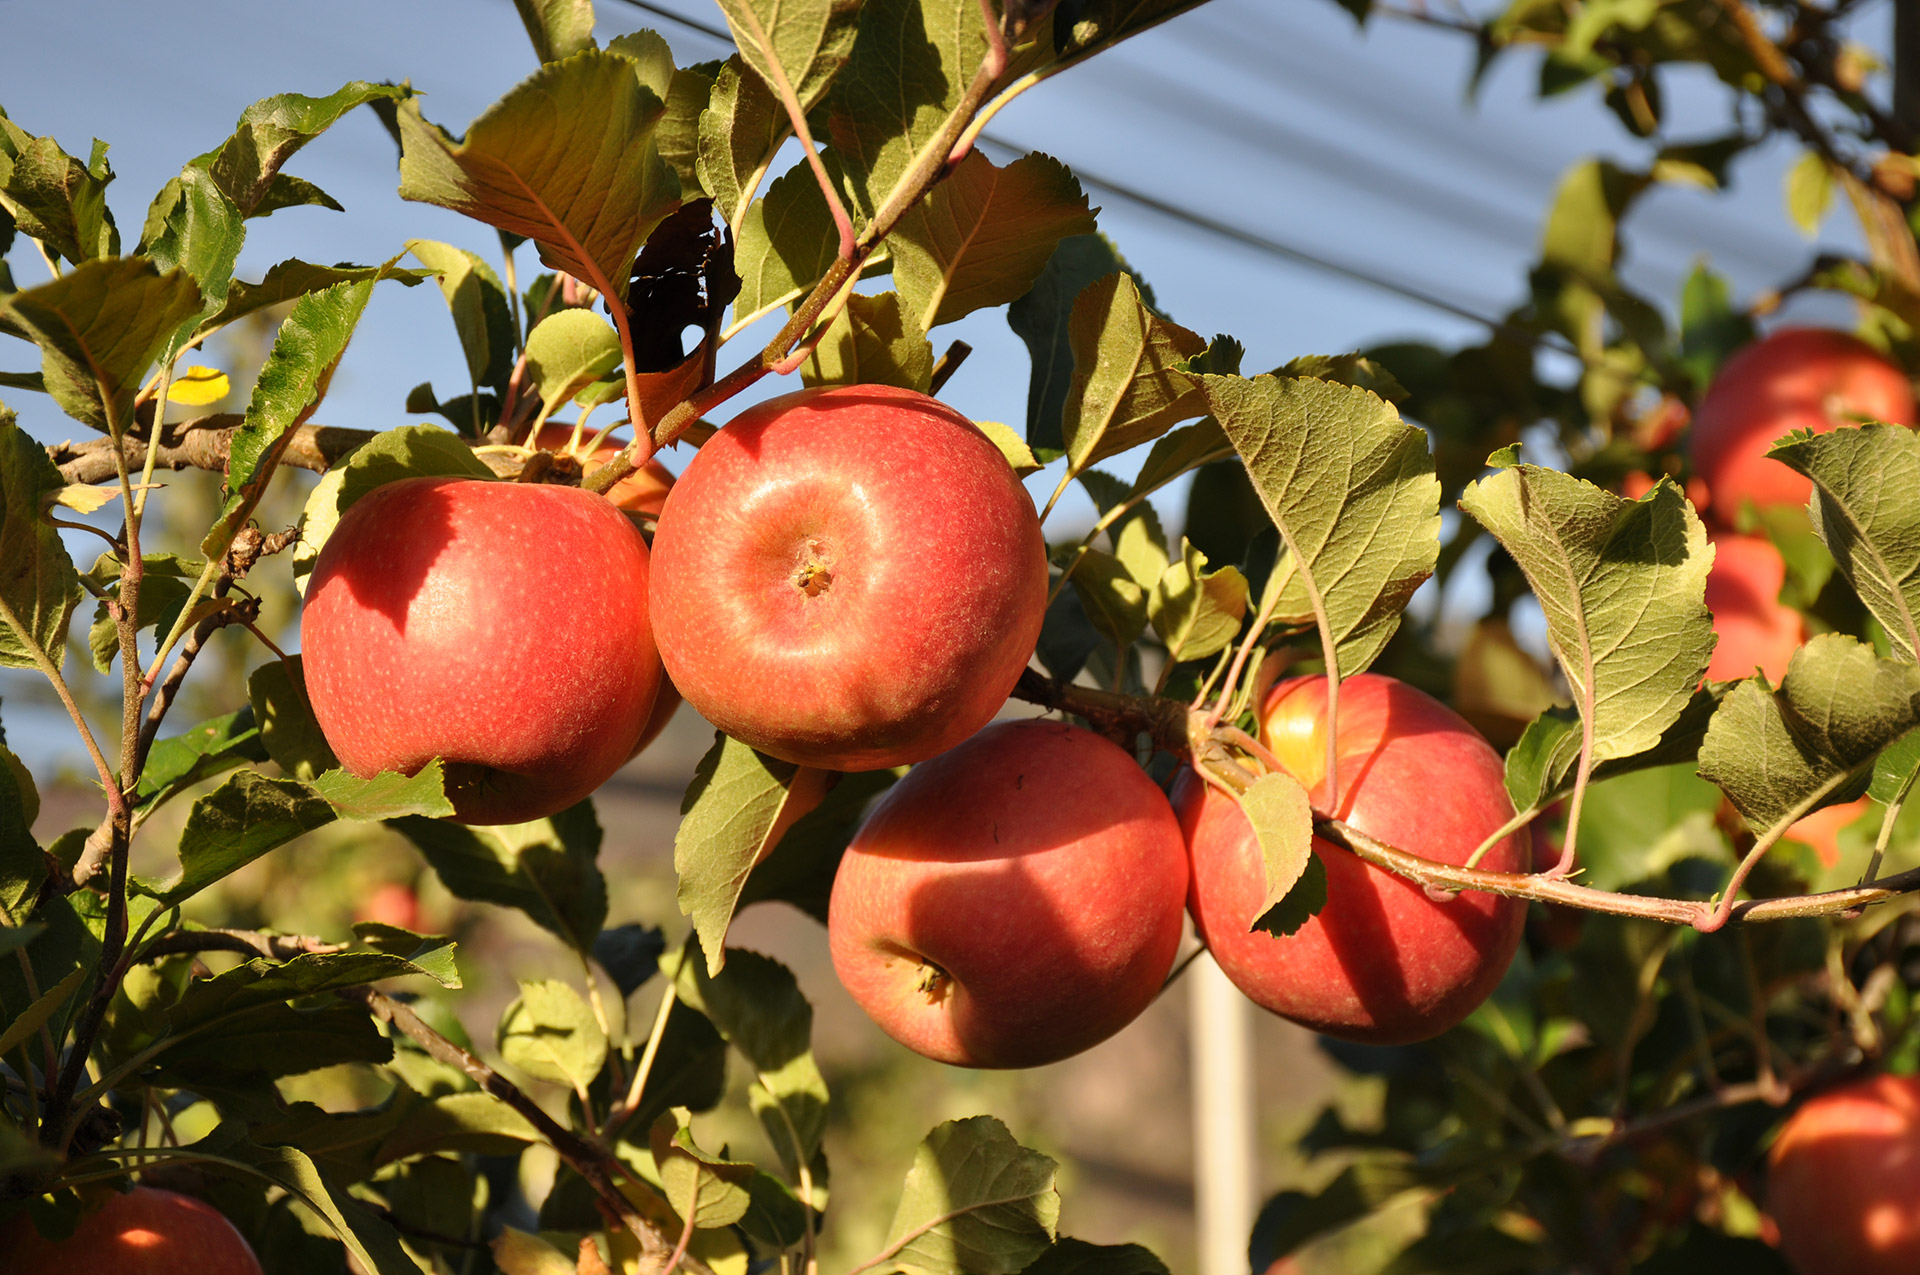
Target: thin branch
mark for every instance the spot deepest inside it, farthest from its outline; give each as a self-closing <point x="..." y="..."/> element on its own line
<point x="250" y="943"/>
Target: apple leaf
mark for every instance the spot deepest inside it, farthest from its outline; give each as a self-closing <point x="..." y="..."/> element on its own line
<point x="1069" y="1256"/>
<point x="460" y="1122"/>
<point x="23" y="866"/>
<point x="1351" y="488"/>
<point x="292" y="279"/>
<point x="550" y="1034"/>
<point x="55" y="198"/>
<point x="99" y="327"/>
<point x="387" y="795"/>
<point x="1277" y="808"/>
<point x="235" y="824"/>
<point x="630" y="954"/>
<point x="1621" y="583"/>
<point x="1100" y="23"/>
<point x="796" y="48"/>
<point x="975" y="1202"/>
<point x="568" y="351"/>
<point x="775" y="1217"/>
<point x="787" y="241"/>
<point x="1042" y="318"/>
<point x="801" y="868"/>
<point x="1019" y="456"/>
<point x="909" y="65"/>
<point x="1181" y="452"/>
<point x="545" y="868"/>
<point x="273" y="128"/>
<point x="21" y="1029"/>
<point x="271" y="1041"/>
<point x="689" y="1070"/>
<point x="567" y="159"/>
<point x="874" y="340"/>
<point x="517" y="1252"/>
<point x="1779" y="754"/>
<point x="740" y="130"/>
<point x="1197" y="612"/>
<point x="411" y="451"/>
<point x="558" y="28"/>
<point x="706" y="1191"/>
<point x="1634" y="827"/>
<point x="37" y="581"/>
<point x="372" y="1243"/>
<point x="196" y="227"/>
<point x="983" y="235"/>
<point x="756" y="1003"/>
<point x="197" y="754"/>
<point x="1115" y="602"/>
<point x="1128" y="387"/>
<point x="729" y="819"/>
<point x="1863" y="510"/>
<point x="1540" y="767"/>
<point x="165" y="581"/>
<point x="277" y="692"/>
<point x="1894" y="769"/>
<point x="480" y="313"/>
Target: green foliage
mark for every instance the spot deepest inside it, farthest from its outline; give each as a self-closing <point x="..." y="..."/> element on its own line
<point x="545" y="869"/>
<point x="51" y="196"/>
<point x="38" y="585"/>
<point x="549" y="1034"/>
<point x="1282" y="819"/>
<point x="478" y="303"/>
<point x="975" y="1202"/>
<point x="873" y="341"/>
<point x="727" y="821"/>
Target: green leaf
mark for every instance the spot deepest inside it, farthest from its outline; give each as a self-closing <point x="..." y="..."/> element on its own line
<point x="567" y="159"/>
<point x="288" y="191"/>
<point x="432" y="954"/>
<point x="550" y="1034"/>
<point x="411" y="451"/>
<point x="1115" y="602"/>
<point x="630" y="954"/>
<point x="99" y="327"/>
<point x="59" y="942"/>
<point x="1780" y="754"/>
<point x="37" y="581"/>
<point x="23" y="866"/>
<point x="53" y="197"/>
<point x="235" y="824"/>
<point x="874" y="340"/>
<point x="690" y="1069"/>
<point x="1069" y="1256"/>
<point x="678" y="133"/>
<point x="775" y="1218"/>
<point x="567" y="352"/>
<point x="1540" y="768"/>
<point x="1863" y="511"/>
<point x="727" y="823"/>
<point x="756" y="1003"/>
<point x="1634" y="827"/>
<point x="1712" y="327"/>
<point x="269" y="132"/>
<point x="368" y="1238"/>
<point x="208" y="1002"/>
<point x="517" y="1252"/>
<point x="461" y="1122"/>
<point x="1356" y="370"/>
<point x="270" y="1041"/>
<point x="480" y="313"/>
<point x="1128" y="387"/>
<point x="1809" y="192"/>
<point x="558" y="28"/>
<point x="292" y="279"/>
<point x="796" y="48"/>
<point x="1012" y="446"/>
<point x="1282" y="819"/>
<point x="787" y="241"/>
<point x="387" y="795"/>
<point x="706" y="1191"/>
<point x="277" y="693"/>
<point x="1042" y="318"/>
<point x="165" y="582"/>
<point x="975" y="1202"/>
<point x="1197" y="612"/>
<point x="1181" y="452"/>
<point x="801" y="868"/>
<point x="1621" y="583"/>
<point x="1894" y="768"/>
<point x="1351" y="488"/>
<point x="984" y="235"/>
<point x="545" y="868"/>
<point x="198" y="753"/>
<point x="196" y="227"/>
<point x="740" y="130"/>
<point x="22" y="1029"/>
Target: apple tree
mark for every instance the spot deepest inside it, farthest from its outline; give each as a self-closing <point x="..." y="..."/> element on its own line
<point x="1596" y="923"/>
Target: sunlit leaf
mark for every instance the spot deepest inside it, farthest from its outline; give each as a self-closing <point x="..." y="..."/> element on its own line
<point x="975" y="1202"/>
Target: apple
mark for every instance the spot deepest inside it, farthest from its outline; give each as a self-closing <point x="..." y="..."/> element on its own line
<point x="1382" y="962"/>
<point x="1821" y="829"/>
<point x="643" y="492"/>
<point x="1756" y="630"/>
<point x="393" y="903"/>
<point x="1797" y="378"/>
<point x="1013" y="901"/>
<point x="1843" y="1179"/>
<point x="499" y="626"/>
<point x="848" y="577"/>
<point x="147" y="1231"/>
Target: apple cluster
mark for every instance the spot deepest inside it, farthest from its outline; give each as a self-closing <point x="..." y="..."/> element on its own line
<point x="852" y="578"/>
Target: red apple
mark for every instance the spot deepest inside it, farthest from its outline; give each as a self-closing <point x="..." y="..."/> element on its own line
<point x="499" y="626"/>
<point x="1821" y="829"/>
<point x="394" y="903"/>
<point x="1013" y="901"/>
<point x="1756" y="630"/>
<point x="1382" y="962"/>
<point x="1843" y="1180"/>
<point x="1797" y="378"/>
<point x="644" y="492"/>
<point x="848" y="577"/>
<point x="144" y="1232"/>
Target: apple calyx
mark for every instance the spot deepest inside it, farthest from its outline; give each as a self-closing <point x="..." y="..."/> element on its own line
<point x="934" y="983"/>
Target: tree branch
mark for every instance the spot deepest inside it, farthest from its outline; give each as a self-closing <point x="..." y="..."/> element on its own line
<point x="274" y="947"/>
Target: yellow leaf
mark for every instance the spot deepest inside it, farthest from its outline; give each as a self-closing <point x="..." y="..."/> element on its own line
<point x="198" y="386"/>
<point x="79" y="496"/>
<point x="1012" y="446"/>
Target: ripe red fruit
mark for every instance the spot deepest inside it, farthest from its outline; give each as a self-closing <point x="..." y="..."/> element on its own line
<point x="1797" y="378"/>
<point x="1843" y="1178"/>
<point x="144" y="1232"/>
<point x="394" y="903"/>
<point x="1382" y="962"/>
<point x="1756" y="629"/>
<point x="499" y="626"/>
<point x="1011" y="902"/>
<point x="849" y="577"/>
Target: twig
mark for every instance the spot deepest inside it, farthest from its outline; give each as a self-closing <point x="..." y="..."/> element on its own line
<point x="274" y="947"/>
<point x="948" y="364"/>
